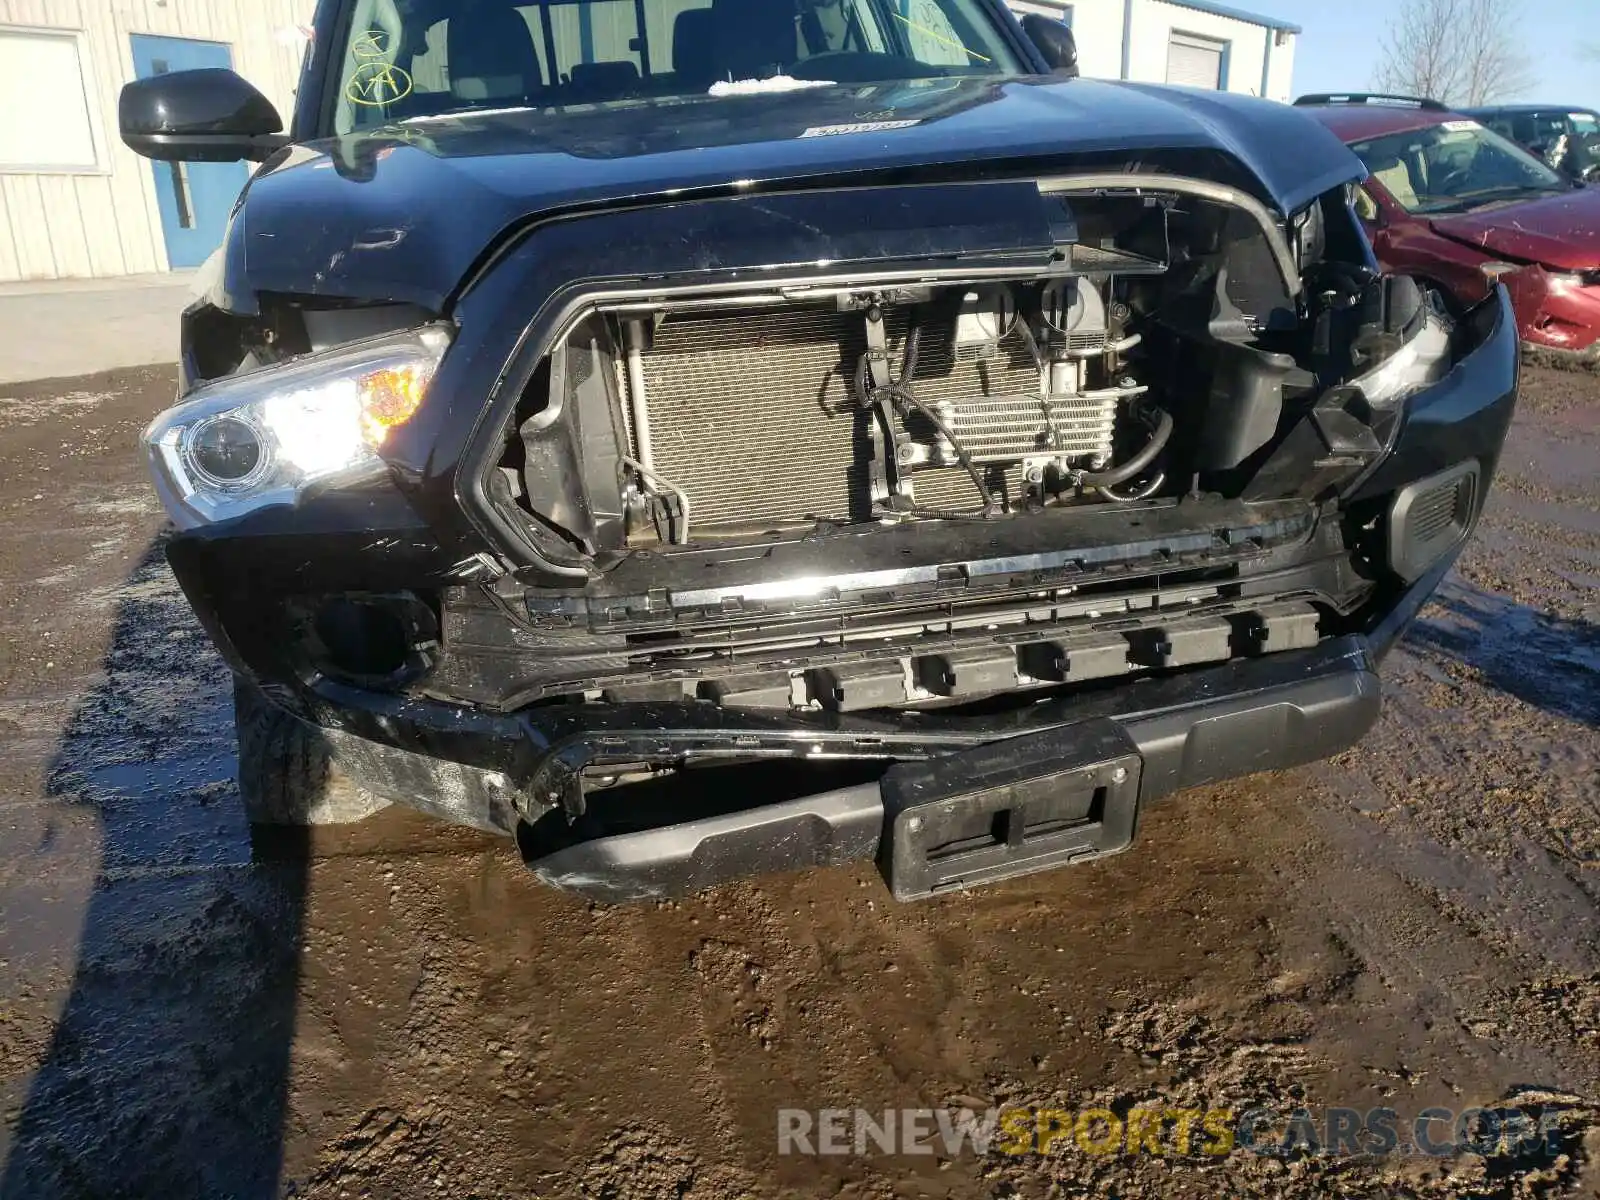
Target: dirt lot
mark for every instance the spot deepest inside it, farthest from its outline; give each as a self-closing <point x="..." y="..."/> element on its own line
<point x="1414" y="924"/>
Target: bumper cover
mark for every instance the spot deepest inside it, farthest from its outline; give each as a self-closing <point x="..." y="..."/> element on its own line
<point x="1187" y="730"/>
<point x="1195" y="729"/>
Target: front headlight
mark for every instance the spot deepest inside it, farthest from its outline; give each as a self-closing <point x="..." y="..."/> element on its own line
<point x="1422" y="361"/>
<point x="260" y="439"/>
<point x="1573" y="279"/>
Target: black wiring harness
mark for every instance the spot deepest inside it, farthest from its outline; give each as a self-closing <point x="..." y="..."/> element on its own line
<point x="877" y="387"/>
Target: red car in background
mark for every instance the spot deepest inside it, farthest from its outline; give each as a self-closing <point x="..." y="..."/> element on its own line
<point x="1452" y="202"/>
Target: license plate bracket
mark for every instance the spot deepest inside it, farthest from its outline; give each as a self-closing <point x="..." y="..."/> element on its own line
<point x="1009" y="808"/>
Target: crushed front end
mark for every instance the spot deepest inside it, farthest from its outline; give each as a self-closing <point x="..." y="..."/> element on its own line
<point x="946" y="523"/>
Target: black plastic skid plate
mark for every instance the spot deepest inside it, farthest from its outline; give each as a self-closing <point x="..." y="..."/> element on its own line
<point x="1009" y="808"/>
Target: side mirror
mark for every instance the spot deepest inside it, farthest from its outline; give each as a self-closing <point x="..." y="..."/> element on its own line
<point x="1054" y="41"/>
<point x="211" y="115"/>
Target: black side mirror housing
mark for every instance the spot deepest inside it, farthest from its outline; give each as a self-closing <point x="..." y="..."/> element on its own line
<point x="1053" y="40"/>
<point x="210" y="115"/>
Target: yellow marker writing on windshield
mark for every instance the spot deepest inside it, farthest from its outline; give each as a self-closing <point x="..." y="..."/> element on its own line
<point x="369" y="45"/>
<point x="939" y="37"/>
<point x="377" y="83"/>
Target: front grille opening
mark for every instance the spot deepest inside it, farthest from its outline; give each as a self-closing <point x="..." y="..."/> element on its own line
<point x="956" y="385"/>
<point x="648" y="424"/>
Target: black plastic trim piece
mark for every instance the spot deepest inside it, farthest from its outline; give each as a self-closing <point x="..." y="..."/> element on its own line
<point x="1413" y="551"/>
<point x="1221" y="729"/>
<point x="829" y="829"/>
<point x="1008" y="809"/>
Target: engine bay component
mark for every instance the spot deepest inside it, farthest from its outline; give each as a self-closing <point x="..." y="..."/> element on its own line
<point x="955" y="401"/>
<point x="1074" y="312"/>
<point x="984" y="319"/>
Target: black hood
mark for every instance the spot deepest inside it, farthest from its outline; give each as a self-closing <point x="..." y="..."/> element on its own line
<point x="403" y="213"/>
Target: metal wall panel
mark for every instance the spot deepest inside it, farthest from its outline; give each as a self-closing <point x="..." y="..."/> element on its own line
<point x="105" y="222"/>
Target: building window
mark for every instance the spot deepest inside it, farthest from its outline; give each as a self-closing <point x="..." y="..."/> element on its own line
<point x="49" y="123"/>
<point x="1197" y="61"/>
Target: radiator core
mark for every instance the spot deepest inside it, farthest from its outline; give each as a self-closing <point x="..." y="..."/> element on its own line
<point x="753" y="414"/>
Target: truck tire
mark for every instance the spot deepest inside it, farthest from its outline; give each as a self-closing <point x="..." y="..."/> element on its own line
<point x="286" y="776"/>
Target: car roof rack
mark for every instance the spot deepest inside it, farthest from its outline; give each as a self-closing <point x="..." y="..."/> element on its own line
<point x="1369" y="97"/>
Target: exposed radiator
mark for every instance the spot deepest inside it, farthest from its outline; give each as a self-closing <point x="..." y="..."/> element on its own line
<point x="752" y="414"/>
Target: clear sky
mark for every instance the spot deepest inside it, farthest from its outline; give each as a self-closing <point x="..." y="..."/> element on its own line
<point x="1343" y="39"/>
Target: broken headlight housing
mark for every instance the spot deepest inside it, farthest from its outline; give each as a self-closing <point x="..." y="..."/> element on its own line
<point x="1403" y="341"/>
<point x="255" y="440"/>
<point x="1421" y="361"/>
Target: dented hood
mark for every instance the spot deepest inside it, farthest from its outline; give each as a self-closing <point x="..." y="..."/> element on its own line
<point x="1560" y="231"/>
<point x="404" y="213"/>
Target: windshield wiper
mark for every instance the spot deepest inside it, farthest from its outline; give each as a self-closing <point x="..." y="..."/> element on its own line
<point x="1467" y="201"/>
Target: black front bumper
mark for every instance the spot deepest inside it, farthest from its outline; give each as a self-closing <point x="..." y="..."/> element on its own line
<point x="1181" y="732"/>
<point x="1186" y="730"/>
<point x="1198" y="729"/>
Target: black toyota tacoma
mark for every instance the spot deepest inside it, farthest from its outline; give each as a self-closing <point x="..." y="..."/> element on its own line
<point x="701" y="437"/>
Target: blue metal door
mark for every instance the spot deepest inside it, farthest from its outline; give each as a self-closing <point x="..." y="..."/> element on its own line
<point x="195" y="198"/>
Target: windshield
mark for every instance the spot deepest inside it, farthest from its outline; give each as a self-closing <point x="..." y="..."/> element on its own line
<point x="410" y="58"/>
<point x="1453" y="167"/>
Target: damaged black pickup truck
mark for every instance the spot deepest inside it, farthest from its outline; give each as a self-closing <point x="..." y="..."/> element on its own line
<point x="702" y="437"/>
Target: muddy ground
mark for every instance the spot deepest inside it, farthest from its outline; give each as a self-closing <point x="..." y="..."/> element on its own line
<point x="1414" y="924"/>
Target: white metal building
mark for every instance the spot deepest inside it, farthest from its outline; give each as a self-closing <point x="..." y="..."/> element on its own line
<point x="75" y="203"/>
<point x="1192" y="42"/>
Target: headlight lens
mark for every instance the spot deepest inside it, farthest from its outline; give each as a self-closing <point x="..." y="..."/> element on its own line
<point x="1421" y="362"/>
<point x="261" y="439"/>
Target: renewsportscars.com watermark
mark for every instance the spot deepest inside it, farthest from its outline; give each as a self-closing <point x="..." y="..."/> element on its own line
<point x="1177" y="1132"/>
